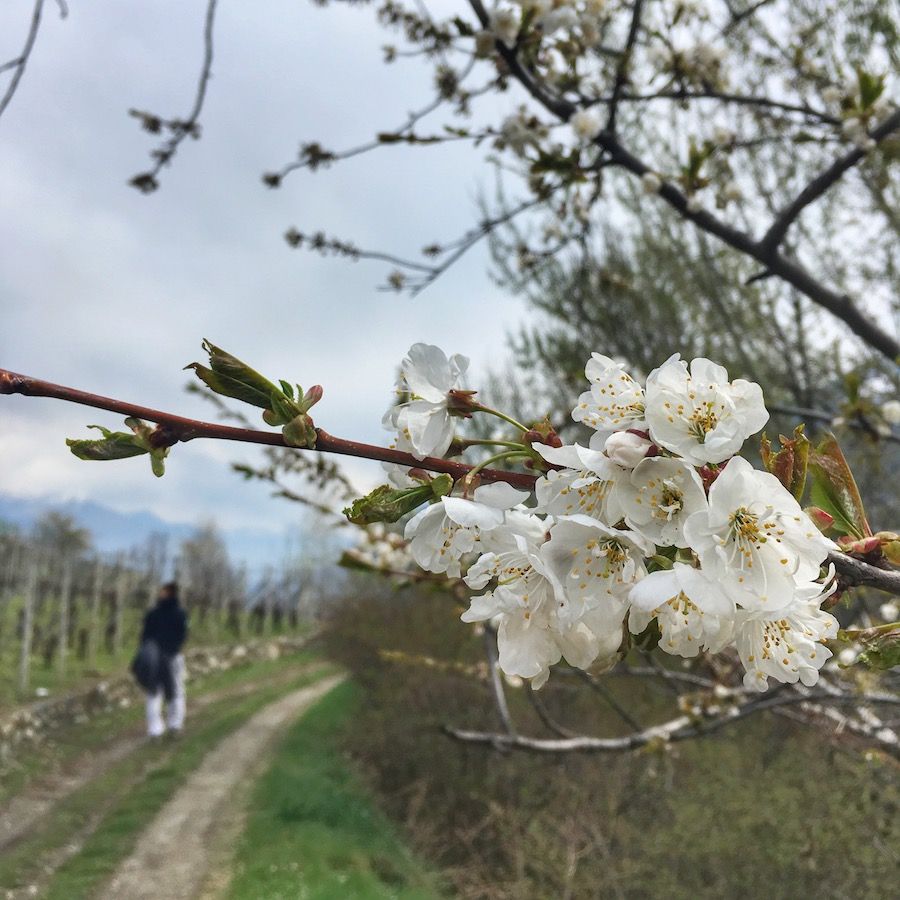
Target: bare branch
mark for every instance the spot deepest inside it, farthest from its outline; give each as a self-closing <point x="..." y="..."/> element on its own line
<point x="683" y="727"/>
<point x="148" y="181"/>
<point x="18" y="64"/>
<point x="623" y="64"/>
<point x="820" y="184"/>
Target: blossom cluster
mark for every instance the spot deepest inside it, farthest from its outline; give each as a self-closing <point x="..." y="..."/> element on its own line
<point x="655" y="524"/>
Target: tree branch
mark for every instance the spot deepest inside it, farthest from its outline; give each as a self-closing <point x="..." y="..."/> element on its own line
<point x="147" y="182"/>
<point x="678" y="729"/>
<point x="177" y="429"/>
<point x="820" y="184"/>
<point x="839" y="305"/>
<point x="19" y="63"/>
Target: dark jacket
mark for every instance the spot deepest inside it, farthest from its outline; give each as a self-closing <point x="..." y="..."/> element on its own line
<point x="162" y="637"/>
<point x="166" y="625"/>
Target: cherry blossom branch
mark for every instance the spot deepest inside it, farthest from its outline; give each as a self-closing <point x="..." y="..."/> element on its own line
<point x="147" y="182"/>
<point x="175" y="429"/>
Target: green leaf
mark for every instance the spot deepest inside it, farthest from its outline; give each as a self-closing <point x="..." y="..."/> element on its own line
<point x="113" y="445"/>
<point x="288" y="388"/>
<point x="226" y="364"/>
<point x="389" y="504"/>
<point x="883" y="651"/>
<point x="231" y="387"/>
<point x="834" y="489"/>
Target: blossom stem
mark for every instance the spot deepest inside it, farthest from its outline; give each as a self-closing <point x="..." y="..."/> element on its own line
<point x="506" y="455"/>
<point x="479" y="442"/>
<point x="500" y="415"/>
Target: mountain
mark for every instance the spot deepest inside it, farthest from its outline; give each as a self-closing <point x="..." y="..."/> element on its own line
<point x="113" y="530"/>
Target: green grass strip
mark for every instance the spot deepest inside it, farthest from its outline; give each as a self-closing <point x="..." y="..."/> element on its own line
<point x="128" y="796"/>
<point x="314" y="832"/>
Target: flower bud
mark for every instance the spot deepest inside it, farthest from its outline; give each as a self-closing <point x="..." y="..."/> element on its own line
<point x="651" y="183"/>
<point x="847" y="656"/>
<point x="484" y="45"/>
<point x="821" y="519"/>
<point x="627" y="448"/>
<point x="889" y="611"/>
<point x="890" y="412"/>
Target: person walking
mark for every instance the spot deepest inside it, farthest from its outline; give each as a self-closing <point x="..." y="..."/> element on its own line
<point x="159" y="665"/>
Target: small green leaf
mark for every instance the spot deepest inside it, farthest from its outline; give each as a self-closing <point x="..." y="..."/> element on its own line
<point x="231" y="387"/>
<point x="834" y="489"/>
<point x="389" y="504"/>
<point x="288" y="388"/>
<point x="226" y="364"/>
<point x="883" y="651"/>
<point x="113" y="445"/>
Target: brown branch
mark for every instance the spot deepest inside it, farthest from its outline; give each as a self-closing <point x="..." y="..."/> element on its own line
<point x="624" y="63"/>
<point x="178" y="429"/>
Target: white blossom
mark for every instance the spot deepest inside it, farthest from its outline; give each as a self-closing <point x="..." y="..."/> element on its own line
<point x="890" y="412"/>
<point x="444" y="532"/>
<point x="651" y="183"/>
<point x="428" y="376"/>
<point x="658" y="497"/>
<point x="529" y="636"/>
<point x="698" y="414"/>
<point x="587" y="124"/>
<point x="889" y="611"/>
<point x="754" y="538"/>
<point x="786" y="645"/>
<point x="614" y="402"/>
<point x="692" y="612"/>
<point x="585" y="486"/>
<point x="505" y="25"/>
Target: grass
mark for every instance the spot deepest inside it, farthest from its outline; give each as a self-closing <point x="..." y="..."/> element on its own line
<point x="129" y="795"/>
<point x="313" y="831"/>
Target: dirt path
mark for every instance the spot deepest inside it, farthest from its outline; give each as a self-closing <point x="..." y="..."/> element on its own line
<point x="173" y="854"/>
<point x="26" y="809"/>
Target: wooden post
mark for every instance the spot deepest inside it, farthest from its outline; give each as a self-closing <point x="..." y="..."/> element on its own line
<point x="64" y="601"/>
<point x="123" y="581"/>
<point x="31" y="590"/>
<point x="94" y="624"/>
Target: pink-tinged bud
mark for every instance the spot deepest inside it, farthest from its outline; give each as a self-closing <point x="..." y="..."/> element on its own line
<point x="313" y="396"/>
<point x="821" y="519"/>
<point x="461" y="403"/>
<point x="861" y="547"/>
<point x="627" y="448"/>
<point x="542" y="433"/>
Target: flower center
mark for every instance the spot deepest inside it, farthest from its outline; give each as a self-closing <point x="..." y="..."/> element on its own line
<point x="703" y="420"/>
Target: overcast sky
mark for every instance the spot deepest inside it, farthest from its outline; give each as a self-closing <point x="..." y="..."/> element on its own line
<point x="111" y="291"/>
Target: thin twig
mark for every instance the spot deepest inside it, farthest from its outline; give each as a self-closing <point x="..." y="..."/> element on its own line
<point x="147" y="182"/>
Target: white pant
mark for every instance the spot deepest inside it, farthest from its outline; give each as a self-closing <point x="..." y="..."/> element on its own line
<point x="176" y="708"/>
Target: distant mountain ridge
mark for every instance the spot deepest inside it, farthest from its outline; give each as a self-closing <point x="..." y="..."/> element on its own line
<point x="113" y="530"/>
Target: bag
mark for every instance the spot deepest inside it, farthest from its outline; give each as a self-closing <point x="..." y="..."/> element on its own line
<point x="146" y="666"/>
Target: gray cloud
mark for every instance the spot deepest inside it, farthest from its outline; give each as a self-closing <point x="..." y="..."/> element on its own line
<point x="112" y="291"/>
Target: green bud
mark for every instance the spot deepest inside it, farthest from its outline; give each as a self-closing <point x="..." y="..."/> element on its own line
<point x="122" y="445"/>
<point x="300" y="432"/>
<point x="389" y="504"/>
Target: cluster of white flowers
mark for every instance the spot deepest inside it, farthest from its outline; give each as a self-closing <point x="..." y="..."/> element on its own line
<point x="656" y="519"/>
